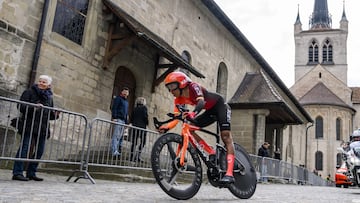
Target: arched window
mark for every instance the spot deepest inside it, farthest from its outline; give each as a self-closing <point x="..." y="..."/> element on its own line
<point x="327" y="52"/>
<point x="338" y="129"/>
<point x="319" y="127"/>
<point x="187" y="57"/>
<point x="313" y="53"/>
<point x="222" y="78"/>
<point x="319" y="161"/>
<point x="338" y="159"/>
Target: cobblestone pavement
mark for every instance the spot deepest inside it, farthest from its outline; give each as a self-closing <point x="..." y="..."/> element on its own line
<point x="55" y="189"/>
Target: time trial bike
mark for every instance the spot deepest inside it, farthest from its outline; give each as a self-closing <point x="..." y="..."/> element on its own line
<point x="176" y="162"/>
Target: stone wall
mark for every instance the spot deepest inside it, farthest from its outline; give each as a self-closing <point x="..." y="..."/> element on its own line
<point x="80" y="83"/>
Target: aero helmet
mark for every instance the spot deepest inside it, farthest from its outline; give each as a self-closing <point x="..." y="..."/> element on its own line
<point x="179" y="79"/>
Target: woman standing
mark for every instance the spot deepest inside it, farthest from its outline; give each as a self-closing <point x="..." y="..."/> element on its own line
<point x="36" y="128"/>
<point x="139" y="119"/>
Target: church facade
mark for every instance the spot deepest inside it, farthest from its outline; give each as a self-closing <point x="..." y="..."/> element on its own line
<point x="321" y="88"/>
<point x="94" y="48"/>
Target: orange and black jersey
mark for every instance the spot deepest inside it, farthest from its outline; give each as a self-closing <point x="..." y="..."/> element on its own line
<point x="215" y="107"/>
<point x="196" y="91"/>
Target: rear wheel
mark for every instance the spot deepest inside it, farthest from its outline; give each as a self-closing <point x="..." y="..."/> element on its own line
<point x="179" y="182"/>
<point x="244" y="174"/>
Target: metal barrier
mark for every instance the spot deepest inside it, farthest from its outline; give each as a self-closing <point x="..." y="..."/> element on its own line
<point x="275" y="170"/>
<point x="135" y="147"/>
<point x="41" y="139"/>
<point x="71" y="140"/>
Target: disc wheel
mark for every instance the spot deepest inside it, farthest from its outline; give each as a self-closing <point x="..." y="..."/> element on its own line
<point x="179" y="182"/>
<point x="244" y="174"/>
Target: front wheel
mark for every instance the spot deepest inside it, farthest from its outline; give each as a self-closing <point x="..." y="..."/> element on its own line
<point x="244" y="174"/>
<point x="179" y="182"/>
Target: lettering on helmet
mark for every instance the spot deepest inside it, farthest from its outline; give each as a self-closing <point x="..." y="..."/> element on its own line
<point x="183" y="82"/>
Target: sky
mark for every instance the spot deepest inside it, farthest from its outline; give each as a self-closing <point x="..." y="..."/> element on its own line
<point x="269" y="26"/>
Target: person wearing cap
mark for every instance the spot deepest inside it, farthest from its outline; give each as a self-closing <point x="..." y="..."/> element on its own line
<point x="36" y="128"/>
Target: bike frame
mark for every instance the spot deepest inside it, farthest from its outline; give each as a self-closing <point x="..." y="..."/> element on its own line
<point x="188" y="137"/>
<point x="244" y="173"/>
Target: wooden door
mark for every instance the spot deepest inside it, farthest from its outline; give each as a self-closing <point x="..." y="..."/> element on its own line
<point x="124" y="78"/>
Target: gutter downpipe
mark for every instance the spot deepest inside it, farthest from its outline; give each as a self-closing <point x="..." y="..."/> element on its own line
<point x="306" y="143"/>
<point x="38" y="44"/>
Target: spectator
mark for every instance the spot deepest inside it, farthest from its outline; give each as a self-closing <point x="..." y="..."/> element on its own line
<point x="264" y="150"/>
<point x="139" y="119"/>
<point x="36" y="128"/>
<point x="119" y="115"/>
<point x="277" y="154"/>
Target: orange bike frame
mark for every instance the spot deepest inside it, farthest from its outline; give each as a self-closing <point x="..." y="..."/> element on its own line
<point x="187" y="136"/>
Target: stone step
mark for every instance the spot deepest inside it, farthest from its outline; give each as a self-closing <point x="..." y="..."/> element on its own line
<point x="100" y="172"/>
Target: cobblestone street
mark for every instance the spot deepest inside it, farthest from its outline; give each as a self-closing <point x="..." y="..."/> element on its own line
<point x="55" y="189"/>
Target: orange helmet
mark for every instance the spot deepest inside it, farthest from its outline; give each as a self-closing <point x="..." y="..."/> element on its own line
<point x="176" y="80"/>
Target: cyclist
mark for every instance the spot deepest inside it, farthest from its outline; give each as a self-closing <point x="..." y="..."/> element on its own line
<point x="187" y="92"/>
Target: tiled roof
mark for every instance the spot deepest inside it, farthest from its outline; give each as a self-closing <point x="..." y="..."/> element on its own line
<point x="255" y="89"/>
<point x="257" y="92"/>
<point x="320" y="94"/>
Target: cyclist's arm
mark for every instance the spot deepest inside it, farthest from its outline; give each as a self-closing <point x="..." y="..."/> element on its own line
<point x="173" y="123"/>
<point x="199" y="105"/>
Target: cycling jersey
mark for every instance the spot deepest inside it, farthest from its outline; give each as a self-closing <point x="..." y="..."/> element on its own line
<point x="196" y="91"/>
<point x="215" y="107"/>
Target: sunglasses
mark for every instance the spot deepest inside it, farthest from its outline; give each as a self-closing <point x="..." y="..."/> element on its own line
<point x="172" y="86"/>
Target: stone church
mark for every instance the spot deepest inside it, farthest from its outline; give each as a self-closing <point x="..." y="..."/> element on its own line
<point x="321" y="88"/>
<point x="92" y="48"/>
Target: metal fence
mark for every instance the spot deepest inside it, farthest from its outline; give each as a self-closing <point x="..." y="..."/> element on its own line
<point x="72" y="140"/>
<point x="269" y="169"/>
<point x="132" y="154"/>
<point x="65" y="136"/>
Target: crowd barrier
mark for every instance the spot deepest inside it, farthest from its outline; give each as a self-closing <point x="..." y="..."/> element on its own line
<point x="270" y="169"/>
<point x="72" y="140"/>
<point x="135" y="148"/>
<point x="65" y="135"/>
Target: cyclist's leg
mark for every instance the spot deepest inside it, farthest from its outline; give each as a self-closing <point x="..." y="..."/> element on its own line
<point x="204" y="120"/>
<point x="223" y="116"/>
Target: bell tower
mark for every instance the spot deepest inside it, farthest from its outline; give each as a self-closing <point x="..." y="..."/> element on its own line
<point x="321" y="43"/>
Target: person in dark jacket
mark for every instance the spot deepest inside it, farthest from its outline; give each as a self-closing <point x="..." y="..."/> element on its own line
<point x="36" y="127"/>
<point x="119" y="114"/>
<point x="264" y="150"/>
<point x="277" y="154"/>
<point x="139" y="119"/>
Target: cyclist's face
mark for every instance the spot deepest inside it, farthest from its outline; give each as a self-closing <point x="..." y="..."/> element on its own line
<point x="172" y="86"/>
<point x="174" y="89"/>
<point x="175" y="92"/>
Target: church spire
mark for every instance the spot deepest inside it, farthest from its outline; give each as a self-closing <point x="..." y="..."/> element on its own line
<point x="320" y="17"/>
<point x="298" y="17"/>
<point x="343" y="17"/>
<point x="344" y="22"/>
<point x="297" y="24"/>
